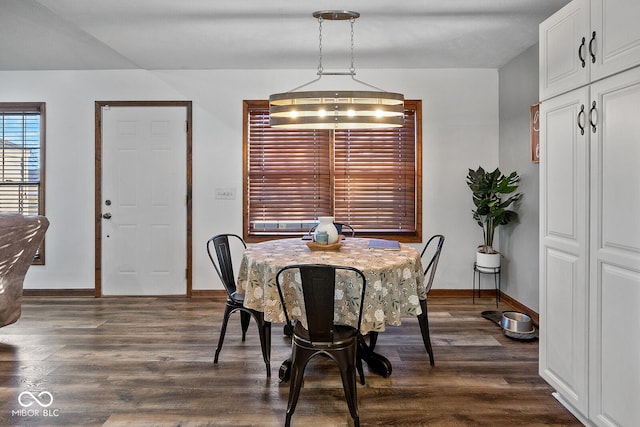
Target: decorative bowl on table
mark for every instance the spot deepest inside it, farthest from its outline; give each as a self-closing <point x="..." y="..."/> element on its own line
<point x="314" y="246"/>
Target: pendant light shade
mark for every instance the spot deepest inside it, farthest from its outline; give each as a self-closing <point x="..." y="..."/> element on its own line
<point x="336" y="109"/>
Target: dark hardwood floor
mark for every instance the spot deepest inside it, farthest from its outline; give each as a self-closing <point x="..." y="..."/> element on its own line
<point x="149" y="362"/>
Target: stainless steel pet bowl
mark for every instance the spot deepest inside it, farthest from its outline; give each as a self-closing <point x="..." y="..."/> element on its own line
<point x="513" y="321"/>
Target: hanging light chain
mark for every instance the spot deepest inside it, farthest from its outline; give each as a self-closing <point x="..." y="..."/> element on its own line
<point x="320" y="67"/>
<point x="352" y="69"/>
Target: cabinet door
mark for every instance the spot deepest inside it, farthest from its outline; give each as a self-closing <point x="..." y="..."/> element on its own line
<point x="615" y="252"/>
<point x="616" y="36"/>
<point x="564" y="158"/>
<point x="564" y="50"/>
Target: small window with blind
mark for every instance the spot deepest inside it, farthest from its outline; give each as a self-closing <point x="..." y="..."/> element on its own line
<point x="369" y="179"/>
<point x="22" y="160"/>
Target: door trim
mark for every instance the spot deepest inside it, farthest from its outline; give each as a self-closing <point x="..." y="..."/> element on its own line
<point x="98" y="184"/>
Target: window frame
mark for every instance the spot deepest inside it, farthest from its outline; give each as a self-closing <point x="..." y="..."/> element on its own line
<point x="250" y="106"/>
<point x="40" y="109"/>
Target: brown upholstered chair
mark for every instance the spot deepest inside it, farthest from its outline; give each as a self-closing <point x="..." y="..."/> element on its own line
<point x="20" y="237"/>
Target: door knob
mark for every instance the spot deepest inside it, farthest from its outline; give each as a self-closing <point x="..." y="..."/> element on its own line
<point x="106" y="216"/>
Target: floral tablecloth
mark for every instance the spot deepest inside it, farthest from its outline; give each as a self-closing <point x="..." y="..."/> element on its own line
<point x="394" y="281"/>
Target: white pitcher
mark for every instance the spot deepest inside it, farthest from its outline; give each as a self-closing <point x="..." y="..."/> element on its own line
<point x="326" y="224"/>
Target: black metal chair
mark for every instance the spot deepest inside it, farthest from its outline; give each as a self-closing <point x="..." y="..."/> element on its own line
<point x="322" y="336"/>
<point x="341" y="227"/>
<point x="235" y="301"/>
<point x="423" y="319"/>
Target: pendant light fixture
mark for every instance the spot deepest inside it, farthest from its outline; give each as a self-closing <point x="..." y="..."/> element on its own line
<point x="336" y="109"/>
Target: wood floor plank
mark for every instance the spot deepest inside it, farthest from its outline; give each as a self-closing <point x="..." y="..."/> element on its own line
<point x="149" y="362"/>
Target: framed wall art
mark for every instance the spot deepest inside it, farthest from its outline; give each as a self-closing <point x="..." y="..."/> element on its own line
<point x="535" y="132"/>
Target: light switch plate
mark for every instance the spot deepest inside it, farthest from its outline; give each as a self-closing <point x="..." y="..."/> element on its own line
<point x="225" y="193"/>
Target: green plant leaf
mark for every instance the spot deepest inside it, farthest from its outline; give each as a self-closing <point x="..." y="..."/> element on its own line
<point x="488" y="195"/>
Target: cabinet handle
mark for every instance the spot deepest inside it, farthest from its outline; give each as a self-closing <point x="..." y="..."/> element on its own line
<point x="584" y="63"/>
<point x="593" y="55"/>
<point x="581" y="122"/>
<point x="593" y="113"/>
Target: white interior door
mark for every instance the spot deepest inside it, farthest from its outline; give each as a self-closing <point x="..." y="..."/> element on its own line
<point x="144" y="201"/>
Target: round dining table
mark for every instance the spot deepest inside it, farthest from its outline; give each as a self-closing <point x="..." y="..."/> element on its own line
<point x="394" y="282"/>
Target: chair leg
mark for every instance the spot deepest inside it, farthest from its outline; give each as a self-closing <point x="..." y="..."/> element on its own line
<point x="345" y="360"/>
<point x="287" y="330"/>
<point x="373" y="339"/>
<point x="299" y="357"/>
<point x="360" y="369"/>
<point x="245" y="317"/>
<point x="362" y="347"/>
<point x="423" y="320"/>
<point x="227" y="312"/>
<point x="264" y="329"/>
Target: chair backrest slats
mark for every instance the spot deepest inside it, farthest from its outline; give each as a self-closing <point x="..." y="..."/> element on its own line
<point x="343" y="228"/>
<point x="222" y="262"/>
<point x="318" y="288"/>
<point x="430" y="270"/>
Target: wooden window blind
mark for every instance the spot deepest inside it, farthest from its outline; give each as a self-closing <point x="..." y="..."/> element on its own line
<point x="288" y="177"/>
<point x="369" y="179"/>
<point x="22" y="160"/>
<point x="375" y="178"/>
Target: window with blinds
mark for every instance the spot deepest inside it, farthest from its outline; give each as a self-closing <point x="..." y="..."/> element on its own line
<point x="22" y="160"/>
<point x="369" y="179"/>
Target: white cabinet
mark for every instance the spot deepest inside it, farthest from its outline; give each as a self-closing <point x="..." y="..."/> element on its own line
<point x="590" y="249"/>
<point x="614" y="36"/>
<point x="614" y="253"/>
<point x="588" y="40"/>
<point x="590" y="211"/>
<point x="564" y="203"/>
<point x="563" y="40"/>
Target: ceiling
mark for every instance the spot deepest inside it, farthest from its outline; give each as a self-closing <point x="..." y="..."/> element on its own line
<point x="258" y="34"/>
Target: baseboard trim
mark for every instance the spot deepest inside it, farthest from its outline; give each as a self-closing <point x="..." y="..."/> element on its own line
<point x="468" y="293"/>
<point x="221" y="293"/>
<point x="58" y="292"/>
<point x="209" y="293"/>
<point x="453" y="293"/>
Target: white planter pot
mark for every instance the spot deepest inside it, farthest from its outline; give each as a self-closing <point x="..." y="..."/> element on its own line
<point x="487" y="262"/>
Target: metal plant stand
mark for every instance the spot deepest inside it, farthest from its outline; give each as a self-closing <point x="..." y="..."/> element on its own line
<point x="478" y="271"/>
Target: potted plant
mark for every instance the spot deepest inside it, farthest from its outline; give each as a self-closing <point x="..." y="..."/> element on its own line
<point x="493" y="194"/>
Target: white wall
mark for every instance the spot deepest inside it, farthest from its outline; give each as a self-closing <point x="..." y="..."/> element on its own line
<point x="519" y="242"/>
<point x="460" y="130"/>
